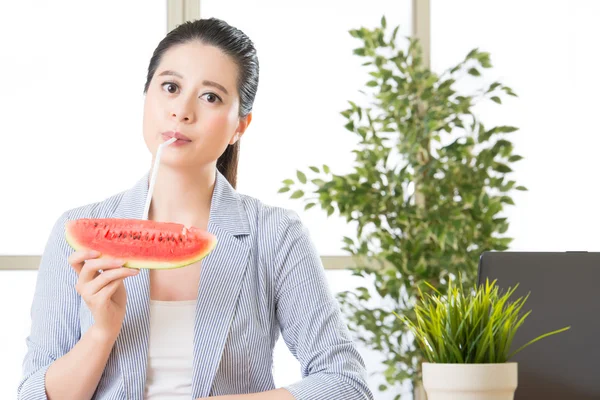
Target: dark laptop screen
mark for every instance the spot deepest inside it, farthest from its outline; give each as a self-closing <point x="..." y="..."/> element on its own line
<point x="564" y="290"/>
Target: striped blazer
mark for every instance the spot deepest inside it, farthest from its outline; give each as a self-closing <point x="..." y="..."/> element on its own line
<point x="264" y="278"/>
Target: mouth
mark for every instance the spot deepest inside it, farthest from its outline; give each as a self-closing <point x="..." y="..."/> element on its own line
<point x="177" y="135"/>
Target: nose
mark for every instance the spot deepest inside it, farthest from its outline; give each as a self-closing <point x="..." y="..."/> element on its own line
<point x="182" y="112"/>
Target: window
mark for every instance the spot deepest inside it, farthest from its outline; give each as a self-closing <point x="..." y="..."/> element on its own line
<point x="73" y="78"/>
<point x="544" y="52"/>
<point x="308" y="74"/>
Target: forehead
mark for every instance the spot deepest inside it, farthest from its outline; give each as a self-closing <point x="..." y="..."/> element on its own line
<point x="197" y="61"/>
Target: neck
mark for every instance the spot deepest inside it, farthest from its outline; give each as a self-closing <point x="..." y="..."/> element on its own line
<point x="182" y="196"/>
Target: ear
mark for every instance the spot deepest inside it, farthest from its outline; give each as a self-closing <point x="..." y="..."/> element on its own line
<point x="241" y="129"/>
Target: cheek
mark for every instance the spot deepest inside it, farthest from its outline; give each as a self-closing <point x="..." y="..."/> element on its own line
<point x="150" y="117"/>
<point x="219" y="126"/>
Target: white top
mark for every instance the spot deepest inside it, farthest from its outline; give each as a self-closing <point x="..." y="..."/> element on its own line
<point x="170" y="351"/>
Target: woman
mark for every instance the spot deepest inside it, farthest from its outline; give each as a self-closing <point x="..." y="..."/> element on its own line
<point x="207" y="329"/>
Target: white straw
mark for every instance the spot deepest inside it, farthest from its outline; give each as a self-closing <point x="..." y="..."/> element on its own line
<point x="154" y="172"/>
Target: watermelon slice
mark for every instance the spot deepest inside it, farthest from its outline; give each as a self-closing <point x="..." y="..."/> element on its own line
<point x="141" y="243"/>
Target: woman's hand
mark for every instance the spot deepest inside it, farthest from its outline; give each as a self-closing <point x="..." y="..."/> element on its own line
<point x="103" y="292"/>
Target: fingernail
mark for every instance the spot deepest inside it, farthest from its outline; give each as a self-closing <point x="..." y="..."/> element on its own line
<point x="94" y="253"/>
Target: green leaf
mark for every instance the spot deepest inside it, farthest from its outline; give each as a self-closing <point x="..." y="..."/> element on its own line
<point x="507" y="200"/>
<point x="493" y="86"/>
<point x="359" y="52"/>
<point x="283" y="190"/>
<point x="521" y="188"/>
<point x="515" y="158"/>
<point x="509" y="91"/>
<point x="496" y="99"/>
<point x="330" y="210"/>
<point x="325" y="169"/>
<point x="395" y="33"/>
<point x="474" y="72"/>
<point x="506" y="129"/>
<point x="301" y="176"/>
<point x="372" y="84"/>
<point x="348" y="241"/>
<point x="288" y="182"/>
<point x="383" y="22"/>
<point x="314" y="169"/>
<point x="471" y="53"/>
<point x="309" y="206"/>
<point x="357" y="33"/>
<point x="297" y="194"/>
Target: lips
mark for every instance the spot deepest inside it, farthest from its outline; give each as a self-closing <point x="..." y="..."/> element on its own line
<point x="177" y="135"/>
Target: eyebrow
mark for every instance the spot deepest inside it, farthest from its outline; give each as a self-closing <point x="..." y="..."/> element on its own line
<point x="205" y="82"/>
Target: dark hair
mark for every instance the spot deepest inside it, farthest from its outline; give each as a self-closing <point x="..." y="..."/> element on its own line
<point x="237" y="45"/>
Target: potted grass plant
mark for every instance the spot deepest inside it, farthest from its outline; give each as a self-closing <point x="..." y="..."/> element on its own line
<point x="466" y="340"/>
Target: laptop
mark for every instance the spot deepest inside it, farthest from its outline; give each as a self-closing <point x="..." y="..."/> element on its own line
<point x="564" y="291"/>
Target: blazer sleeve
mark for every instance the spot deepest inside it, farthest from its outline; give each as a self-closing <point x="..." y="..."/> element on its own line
<point x="311" y="323"/>
<point x="54" y="315"/>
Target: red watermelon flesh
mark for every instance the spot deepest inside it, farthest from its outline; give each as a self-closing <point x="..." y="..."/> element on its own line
<point x="141" y="243"/>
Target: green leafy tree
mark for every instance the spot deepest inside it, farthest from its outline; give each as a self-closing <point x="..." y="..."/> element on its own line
<point x="427" y="189"/>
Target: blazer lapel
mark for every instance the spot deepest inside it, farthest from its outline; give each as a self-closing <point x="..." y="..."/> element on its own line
<point x="220" y="283"/>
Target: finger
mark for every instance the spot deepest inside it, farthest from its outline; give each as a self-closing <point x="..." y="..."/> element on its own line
<point x="91" y="267"/>
<point x="78" y="258"/>
<point x="105" y="278"/>
<point x="109" y="290"/>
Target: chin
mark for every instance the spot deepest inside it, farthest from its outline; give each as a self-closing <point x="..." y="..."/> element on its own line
<point x="172" y="159"/>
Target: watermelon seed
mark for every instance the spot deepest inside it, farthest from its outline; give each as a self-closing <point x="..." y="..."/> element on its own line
<point x="95" y="224"/>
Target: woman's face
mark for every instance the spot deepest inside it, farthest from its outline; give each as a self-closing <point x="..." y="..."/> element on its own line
<point x="193" y="96"/>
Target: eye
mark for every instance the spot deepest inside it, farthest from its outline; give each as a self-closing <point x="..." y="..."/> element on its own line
<point x="211" y="97"/>
<point x="171" y="87"/>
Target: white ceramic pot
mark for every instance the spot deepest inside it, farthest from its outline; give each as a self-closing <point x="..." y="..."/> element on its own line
<point x="470" y="381"/>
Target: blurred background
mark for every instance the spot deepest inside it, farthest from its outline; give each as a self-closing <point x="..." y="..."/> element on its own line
<point x="71" y="106"/>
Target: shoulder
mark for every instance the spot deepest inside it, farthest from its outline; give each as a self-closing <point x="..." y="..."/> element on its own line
<point x="270" y="221"/>
<point x="282" y="239"/>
